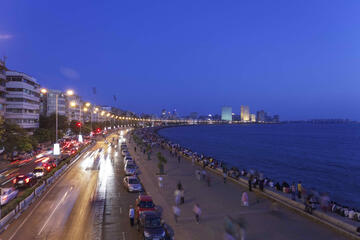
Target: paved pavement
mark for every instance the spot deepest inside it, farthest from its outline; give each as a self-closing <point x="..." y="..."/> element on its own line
<point x="264" y="219"/>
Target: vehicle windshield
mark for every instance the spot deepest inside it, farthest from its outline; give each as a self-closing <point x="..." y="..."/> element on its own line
<point x="133" y="181"/>
<point x="146" y="204"/>
<point x="130" y="166"/>
<point x="152" y="222"/>
<point x="38" y="170"/>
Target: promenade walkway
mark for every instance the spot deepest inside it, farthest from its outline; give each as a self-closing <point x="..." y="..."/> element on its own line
<point x="264" y="219"/>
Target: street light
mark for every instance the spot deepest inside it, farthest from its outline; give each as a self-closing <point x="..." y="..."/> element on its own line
<point x="69" y="92"/>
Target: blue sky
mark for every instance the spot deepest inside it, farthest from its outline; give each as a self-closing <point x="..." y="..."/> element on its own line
<point x="299" y="59"/>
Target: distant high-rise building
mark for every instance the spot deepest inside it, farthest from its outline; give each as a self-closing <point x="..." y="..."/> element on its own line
<point x="276" y="118"/>
<point x="226" y="113"/>
<point x="163" y="114"/>
<point x="252" y="118"/>
<point x="193" y="115"/>
<point x="245" y="113"/>
<point x="260" y="116"/>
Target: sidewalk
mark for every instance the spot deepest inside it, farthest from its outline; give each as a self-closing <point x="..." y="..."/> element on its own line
<point x="264" y="219"/>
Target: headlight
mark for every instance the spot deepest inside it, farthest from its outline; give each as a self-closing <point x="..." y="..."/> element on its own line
<point x="146" y="234"/>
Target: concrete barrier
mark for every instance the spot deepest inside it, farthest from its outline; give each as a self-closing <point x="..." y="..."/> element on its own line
<point x="50" y="180"/>
<point x="7" y="218"/>
<point x="29" y="199"/>
<point x="39" y="189"/>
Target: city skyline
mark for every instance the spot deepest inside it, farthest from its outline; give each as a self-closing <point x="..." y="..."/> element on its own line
<point x="281" y="65"/>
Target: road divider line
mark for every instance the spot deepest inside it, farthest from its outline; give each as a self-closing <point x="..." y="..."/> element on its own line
<point x="7" y="181"/>
<point x="52" y="213"/>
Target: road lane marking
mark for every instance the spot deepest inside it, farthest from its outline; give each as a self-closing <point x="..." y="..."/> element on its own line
<point x="7" y="181"/>
<point x="39" y="202"/>
<point x="48" y="219"/>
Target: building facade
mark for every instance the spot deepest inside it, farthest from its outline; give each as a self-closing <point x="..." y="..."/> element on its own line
<point x="226" y="113"/>
<point x="245" y="113"/>
<point x="2" y="89"/>
<point x="48" y="103"/>
<point x="22" y="100"/>
<point x="260" y="116"/>
<point x="252" y="118"/>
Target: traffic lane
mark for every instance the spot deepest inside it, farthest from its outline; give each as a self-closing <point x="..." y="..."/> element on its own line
<point x="116" y="218"/>
<point x="57" y="203"/>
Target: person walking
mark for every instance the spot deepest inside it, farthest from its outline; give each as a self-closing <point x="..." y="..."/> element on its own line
<point x="182" y="197"/>
<point x="131" y="215"/>
<point x="193" y="161"/>
<point x="293" y="191"/>
<point x="177" y="195"/>
<point x="134" y="149"/>
<point x="245" y="199"/>
<point x="250" y="183"/>
<point x="179" y="186"/>
<point x="197" y="212"/>
<point x="160" y="179"/>
<point x="176" y="211"/>
<point x="224" y="176"/>
<point x="299" y="189"/>
<point x="203" y="172"/>
<point x="198" y="174"/>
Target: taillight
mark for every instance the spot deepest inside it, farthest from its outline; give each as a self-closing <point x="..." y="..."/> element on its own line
<point x="27" y="180"/>
<point x="48" y="168"/>
<point x="14" y="181"/>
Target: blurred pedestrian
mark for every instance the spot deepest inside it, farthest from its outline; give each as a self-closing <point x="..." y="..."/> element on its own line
<point x="245" y="199"/>
<point x="179" y="185"/>
<point x="198" y="174"/>
<point x="299" y="189"/>
<point x="134" y="149"/>
<point x="176" y="211"/>
<point x="203" y="172"/>
<point x="224" y="176"/>
<point x="177" y="195"/>
<point x="179" y="158"/>
<point x="250" y="183"/>
<point x="197" y="212"/>
<point x="182" y="197"/>
<point x="293" y="191"/>
<point x="131" y="215"/>
<point x="160" y="179"/>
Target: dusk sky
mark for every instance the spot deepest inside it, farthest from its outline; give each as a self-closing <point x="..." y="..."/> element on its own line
<point x="299" y="59"/>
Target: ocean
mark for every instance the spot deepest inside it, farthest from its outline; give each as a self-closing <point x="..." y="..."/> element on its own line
<point x="323" y="156"/>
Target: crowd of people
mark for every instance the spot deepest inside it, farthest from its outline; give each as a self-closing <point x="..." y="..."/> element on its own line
<point x="311" y="198"/>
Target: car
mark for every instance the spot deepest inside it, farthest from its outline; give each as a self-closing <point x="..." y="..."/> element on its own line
<point x="39" y="172"/>
<point x="127" y="158"/>
<point x="130" y="169"/>
<point x="49" y="165"/>
<point x="124" y="152"/>
<point x="24" y="180"/>
<point x="150" y="226"/>
<point x="132" y="184"/>
<point x="7" y="194"/>
<point x="143" y="203"/>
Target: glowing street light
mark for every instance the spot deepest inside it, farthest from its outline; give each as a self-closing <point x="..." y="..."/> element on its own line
<point x="72" y="104"/>
<point x="43" y="90"/>
<point x="87" y="104"/>
<point x="70" y="92"/>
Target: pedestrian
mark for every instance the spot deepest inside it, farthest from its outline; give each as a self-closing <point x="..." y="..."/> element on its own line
<point x="208" y="180"/>
<point x="134" y="149"/>
<point x="299" y="189"/>
<point x="179" y="186"/>
<point x="177" y="195"/>
<point x="261" y="185"/>
<point x="293" y="191"/>
<point x="193" y="161"/>
<point x="176" y="211"/>
<point x="250" y="183"/>
<point x="198" y="175"/>
<point x="245" y="199"/>
<point x="160" y="179"/>
<point x="203" y="172"/>
<point x="197" y="212"/>
<point x="182" y="197"/>
<point x="131" y="215"/>
<point x="224" y="175"/>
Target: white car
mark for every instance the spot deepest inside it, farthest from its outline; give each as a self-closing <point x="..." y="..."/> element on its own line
<point x="127" y="158"/>
<point x="7" y="194"/>
<point x="130" y="169"/>
<point x="132" y="184"/>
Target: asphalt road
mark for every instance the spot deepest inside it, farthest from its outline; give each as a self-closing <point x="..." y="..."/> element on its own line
<point x="69" y="209"/>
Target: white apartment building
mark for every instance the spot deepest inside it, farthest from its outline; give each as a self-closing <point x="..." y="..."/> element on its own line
<point x="22" y="100"/>
<point x="2" y="88"/>
<point x="48" y="104"/>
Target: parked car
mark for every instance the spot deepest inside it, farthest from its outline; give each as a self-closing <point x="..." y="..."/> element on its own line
<point x="143" y="203"/>
<point x="130" y="169"/>
<point x="24" y="180"/>
<point x="150" y="226"/>
<point x="132" y="184"/>
<point x="7" y="194"/>
<point x="39" y="172"/>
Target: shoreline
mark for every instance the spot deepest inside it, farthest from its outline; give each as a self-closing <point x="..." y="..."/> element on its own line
<point x="335" y="209"/>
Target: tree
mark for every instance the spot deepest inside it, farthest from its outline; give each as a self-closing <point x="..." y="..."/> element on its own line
<point x="162" y="162"/>
<point x="49" y="123"/>
<point x="16" y="138"/>
<point x="43" y="135"/>
<point x="75" y="126"/>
